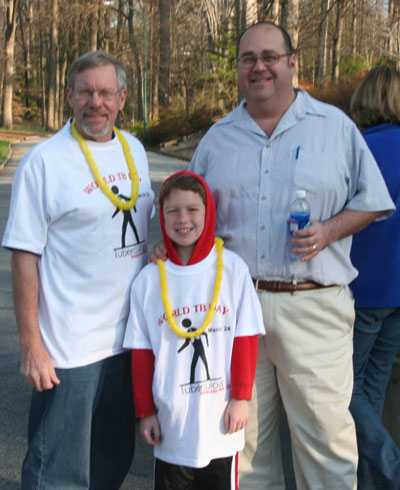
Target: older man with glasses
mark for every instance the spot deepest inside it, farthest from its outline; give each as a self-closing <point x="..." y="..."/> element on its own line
<point x="71" y="278"/>
<point x="280" y="140"/>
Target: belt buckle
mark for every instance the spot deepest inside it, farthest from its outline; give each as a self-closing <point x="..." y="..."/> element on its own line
<point x="294" y="283"/>
<point x="256" y="284"/>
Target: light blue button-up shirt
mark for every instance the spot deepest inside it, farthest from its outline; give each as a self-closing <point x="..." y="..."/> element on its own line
<point x="315" y="147"/>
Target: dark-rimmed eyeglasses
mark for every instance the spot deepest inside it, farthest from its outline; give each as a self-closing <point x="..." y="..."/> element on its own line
<point x="249" y="60"/>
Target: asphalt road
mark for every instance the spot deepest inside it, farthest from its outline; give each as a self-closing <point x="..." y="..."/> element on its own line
<point x="14" y="392"/>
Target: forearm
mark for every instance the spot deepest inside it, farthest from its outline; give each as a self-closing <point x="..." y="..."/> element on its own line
<point x="36" y="363"/>
<point x="348" y="222"/>
<point x="243" y="366"/>
<point x="142" y="362"/>
<point x="25" y="281"/>
<point x="309" y="241"/>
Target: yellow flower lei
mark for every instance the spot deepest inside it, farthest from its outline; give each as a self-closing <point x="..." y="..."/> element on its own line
<point x="219" y="245"/>
<point x="118" y="202"/>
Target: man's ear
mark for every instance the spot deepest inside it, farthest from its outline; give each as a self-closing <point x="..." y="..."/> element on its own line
<point x="122" y="98"/>
<point x="292" y="60"/>
<point x="69" y="96"/>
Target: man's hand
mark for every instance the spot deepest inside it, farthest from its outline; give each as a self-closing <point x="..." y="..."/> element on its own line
<point x="36" y="364"/>
<point x="159" y="252"/>
<point x="38" y="367"/>
<point x="236" y="415"/>
<point x="149" y="427"/>
<point x="308" y="242"/>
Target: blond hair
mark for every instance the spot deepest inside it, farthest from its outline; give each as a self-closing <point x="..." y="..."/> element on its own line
<point x="377" y="99"/>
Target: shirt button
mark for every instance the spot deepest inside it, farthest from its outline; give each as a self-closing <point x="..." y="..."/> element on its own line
<point x="263" y="198"/>
<point x="266" y="171"/>
<point x="268" y="145"/>
<point x="262" y="257"/>
<point x="262" y="227"/>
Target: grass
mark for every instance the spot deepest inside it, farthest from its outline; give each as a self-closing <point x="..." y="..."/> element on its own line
<point x="4" y="146"/>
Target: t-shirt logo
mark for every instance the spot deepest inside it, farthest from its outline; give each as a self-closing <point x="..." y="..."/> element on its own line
<point x="127" y="220"/>
<point x="198" y="349"/>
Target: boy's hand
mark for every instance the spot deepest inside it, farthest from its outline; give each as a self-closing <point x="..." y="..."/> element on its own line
<point x="149" y="427"/>
<point x="159" y="252"/>
<point x="236" y="415"/>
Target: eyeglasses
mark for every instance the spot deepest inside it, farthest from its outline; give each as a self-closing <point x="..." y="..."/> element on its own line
<point x="249" y="60"/>
<point x="105" y="95"/>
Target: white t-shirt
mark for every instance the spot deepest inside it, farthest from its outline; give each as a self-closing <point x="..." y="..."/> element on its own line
<point x="89" y="253"/>
<point x="191" y="384"/>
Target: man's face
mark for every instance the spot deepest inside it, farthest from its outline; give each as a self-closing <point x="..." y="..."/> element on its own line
<point x="259" y="83"/>
<point x="96" y="99"/>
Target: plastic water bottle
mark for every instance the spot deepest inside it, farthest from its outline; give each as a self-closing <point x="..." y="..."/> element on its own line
<point x="299" y="215"/>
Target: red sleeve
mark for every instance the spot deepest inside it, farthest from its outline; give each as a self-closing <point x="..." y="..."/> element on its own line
<point x="142" y="365"/>
<point x="243" y="366"/>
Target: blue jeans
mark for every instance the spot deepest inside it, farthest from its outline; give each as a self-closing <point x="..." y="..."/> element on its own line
<point x="376" y="342"/>
<point x="82" y="432"/>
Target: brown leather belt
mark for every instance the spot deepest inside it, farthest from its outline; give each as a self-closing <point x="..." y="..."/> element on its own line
<point x="286" y="287"/>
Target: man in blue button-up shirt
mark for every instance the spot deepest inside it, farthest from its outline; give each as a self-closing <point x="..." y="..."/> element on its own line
<point x="277" y="141"/>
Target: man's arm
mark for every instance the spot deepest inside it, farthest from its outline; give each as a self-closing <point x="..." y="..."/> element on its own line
<point x="310" y="241"/>
<point x="36" y="363"/>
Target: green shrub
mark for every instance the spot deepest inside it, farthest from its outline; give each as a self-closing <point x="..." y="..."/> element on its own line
<point x="338" y="94"/>
<point x="175" y="125"/>
<point x="4" y="146"/>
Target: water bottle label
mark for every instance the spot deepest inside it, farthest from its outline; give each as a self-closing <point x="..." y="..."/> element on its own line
<point x="298" y="221"/>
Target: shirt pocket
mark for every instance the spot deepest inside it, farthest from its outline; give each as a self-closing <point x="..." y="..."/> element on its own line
<point x="323" y="176"/>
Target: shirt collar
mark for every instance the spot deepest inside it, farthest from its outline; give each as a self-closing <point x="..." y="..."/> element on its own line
<point x="302" y="106"/>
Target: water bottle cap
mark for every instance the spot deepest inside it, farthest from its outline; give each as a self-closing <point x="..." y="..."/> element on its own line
<point x="300" y="194"/>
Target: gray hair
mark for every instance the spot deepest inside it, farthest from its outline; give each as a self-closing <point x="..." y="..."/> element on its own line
<point x="93" y="59"/>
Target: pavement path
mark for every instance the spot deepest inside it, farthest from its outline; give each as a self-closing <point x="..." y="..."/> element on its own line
<point x="14" y="392"/>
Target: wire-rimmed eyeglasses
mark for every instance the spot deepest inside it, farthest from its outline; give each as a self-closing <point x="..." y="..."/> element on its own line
<point x="248" y="60"/>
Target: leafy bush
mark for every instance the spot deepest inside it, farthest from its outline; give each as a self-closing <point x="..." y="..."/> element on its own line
<point x="351" y="66"/>
<point x="4" y="146"/>
<point x="338" y="94"/>
<point x="175" y="125"/>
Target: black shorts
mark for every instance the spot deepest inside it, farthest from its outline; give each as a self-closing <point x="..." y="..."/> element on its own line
<point x="219" y="474"/>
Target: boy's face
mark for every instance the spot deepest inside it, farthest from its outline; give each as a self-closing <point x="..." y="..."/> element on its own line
<point x="184" y="214"/>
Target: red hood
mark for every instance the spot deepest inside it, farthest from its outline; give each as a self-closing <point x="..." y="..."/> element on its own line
<point x="205" y="243"/>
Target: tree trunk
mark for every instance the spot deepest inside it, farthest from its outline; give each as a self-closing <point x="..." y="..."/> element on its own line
<point x="25" y="20"/>
<point x="62" y="76"/>
<point x="251" y="12"/>
<point x="52" y="68"/>
<point x="42" y="80"/>
<point x="322" y="35"/>
<point x="354" y="29"/>
<point x="164" y="52"/>
<point x="120" y="25"/>
<point x="153" y="57"/>
<point x="283" y="14"/>
<point x="8" y="92"/>
<point x="94" y="25"/>
<point x="136" y="60"/>
<point x="293" y="28"/>
<point x="337" y="41"/>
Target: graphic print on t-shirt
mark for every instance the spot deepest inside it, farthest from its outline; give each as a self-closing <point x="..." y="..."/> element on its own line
<point x="126" y="220"/>
<point x="198" y="350"/>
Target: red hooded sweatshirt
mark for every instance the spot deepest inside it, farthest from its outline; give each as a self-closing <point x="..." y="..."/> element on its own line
<point x="244" y="352"/>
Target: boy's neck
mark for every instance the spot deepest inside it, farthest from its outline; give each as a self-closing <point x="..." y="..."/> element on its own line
<point x="185" y="253"/>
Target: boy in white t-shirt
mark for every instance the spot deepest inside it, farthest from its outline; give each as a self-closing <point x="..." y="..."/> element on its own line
<point x="193" y="328"/>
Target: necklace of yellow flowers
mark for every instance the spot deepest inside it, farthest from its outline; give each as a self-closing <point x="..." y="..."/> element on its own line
<point x="118" y="202"/>
<point x="219" y="247"/>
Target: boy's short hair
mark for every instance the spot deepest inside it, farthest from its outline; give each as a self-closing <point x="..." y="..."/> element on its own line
<point x="183" y="182"/>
